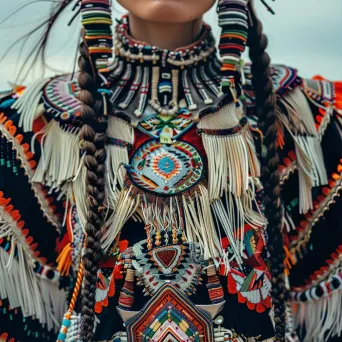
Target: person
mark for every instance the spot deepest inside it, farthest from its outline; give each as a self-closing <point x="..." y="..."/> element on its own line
<point x="165" y="193"/>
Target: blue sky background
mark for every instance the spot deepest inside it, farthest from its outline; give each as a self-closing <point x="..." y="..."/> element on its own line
<point x="306" y="34"/>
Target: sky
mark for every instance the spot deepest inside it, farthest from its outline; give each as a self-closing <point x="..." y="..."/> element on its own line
<point x="304" y="34"/>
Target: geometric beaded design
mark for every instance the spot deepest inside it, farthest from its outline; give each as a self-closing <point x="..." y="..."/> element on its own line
<point x="166" y="169"/>
<point x="170" y="316"/>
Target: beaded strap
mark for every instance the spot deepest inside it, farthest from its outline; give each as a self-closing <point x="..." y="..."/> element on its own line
<point x="97" y="22"/>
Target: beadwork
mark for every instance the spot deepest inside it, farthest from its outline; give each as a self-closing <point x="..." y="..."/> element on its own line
<point x="166" y="169"/>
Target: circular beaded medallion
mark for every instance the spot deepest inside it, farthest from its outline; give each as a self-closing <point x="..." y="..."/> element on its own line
<point x="166" y="169"/>
<point x="60" y="100"/>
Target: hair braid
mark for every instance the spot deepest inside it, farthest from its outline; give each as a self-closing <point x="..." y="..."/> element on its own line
<point x="266" y="102"/>
<point x="93" y="136"/>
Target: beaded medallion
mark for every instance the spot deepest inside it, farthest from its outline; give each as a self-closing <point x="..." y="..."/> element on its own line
<point x="59" y="96"/>
<point x="166" y="169"/>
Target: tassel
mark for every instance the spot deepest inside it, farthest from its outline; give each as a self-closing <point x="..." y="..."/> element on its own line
<point x="27" y="104"/>
<point x="78" y="193"/>
<point x="299" y="122"/>
<point x="64" y="260"/>
<point x="199" y="223"/>
<point x="127" y="205"/>
<point x="60" y="157"/>
<point x="298" y="112"/>
<point x="117" y="154"/>
<point x="319" y="309"/>
<point x="230" y="150"/>
<point x="23" y="288"/>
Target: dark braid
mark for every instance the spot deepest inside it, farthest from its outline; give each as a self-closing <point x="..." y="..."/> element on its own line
<point x="93" y="136"/>
<point x="266" y="102"/>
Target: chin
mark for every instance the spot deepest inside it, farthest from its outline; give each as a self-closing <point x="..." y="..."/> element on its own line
<point x="167" y="11"/>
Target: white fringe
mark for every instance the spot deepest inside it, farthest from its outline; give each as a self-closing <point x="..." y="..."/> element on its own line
<point x="60" y="158"/>
<point x="125" y="208"/>
<point x="231" y="159"/>
<point x="322" y="319"/>
<point x="299" y="112"/>
<point x="27" y="104"/>
<point x="37" y="298"/>
<point x="191" y="210"/>
<point x="116" y="155"/>
<point x="232" y="215"/>
<point x="78" y="192"/>
<point x="301" y="126"/>
<point x="199" y="223"/>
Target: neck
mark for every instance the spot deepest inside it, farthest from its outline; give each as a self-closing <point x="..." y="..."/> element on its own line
<point x="154" y="33"/>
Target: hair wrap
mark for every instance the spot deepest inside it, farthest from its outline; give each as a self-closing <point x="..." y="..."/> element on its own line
<point x="233" y="19"/>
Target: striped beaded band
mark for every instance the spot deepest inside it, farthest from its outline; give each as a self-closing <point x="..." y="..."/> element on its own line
<point x="233" y="19"/>
<point x="97" y="22"/>
<point x="118" y="142"/>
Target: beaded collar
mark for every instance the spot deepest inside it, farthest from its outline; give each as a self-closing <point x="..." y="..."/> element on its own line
<point x="133" y="50"/>
<point x="147" y="80"/>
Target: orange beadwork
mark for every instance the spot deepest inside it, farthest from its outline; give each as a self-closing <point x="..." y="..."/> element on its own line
<point x="20" y="224"/>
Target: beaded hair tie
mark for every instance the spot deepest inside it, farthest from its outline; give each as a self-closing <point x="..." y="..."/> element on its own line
<point x="233" y="18"/>
<point x="97" y="22"/>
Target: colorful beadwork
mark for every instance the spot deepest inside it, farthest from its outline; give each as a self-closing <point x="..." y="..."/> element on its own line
<point x="170" y="316"/>
<point x="166" y="169"/>
<point x="180" y="265"/>
<point x="97" y="21"/>
<point x="233" y="19"/>
<point x="252" y="287"/>
<point x="158" y="73"/>
<point x="167" y="128"/>
<point x="60" y="98"/>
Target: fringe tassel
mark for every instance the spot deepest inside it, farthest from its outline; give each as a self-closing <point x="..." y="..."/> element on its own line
<point x="300" y="124"/>
<point x="77" y="191"/>
<point x="27" y="104"/>
<point x="38" y="298"/>
<point x="64" y="260"/>
<point x="190" y="211"/>
<point x="299" y="114"/>
<point x="232" y="214"/>
<point x="321" y="319"/>
<point x="231" y="155"/>
<point x="199" y="223"/>
<point x="127" y="204"/>
<point x="60" y="157"/>
<point x="117" y="156"/>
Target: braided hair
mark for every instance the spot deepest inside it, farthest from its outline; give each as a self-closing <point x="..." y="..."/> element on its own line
<point x="93" y="137"/>
<point x="266" y="103"/>
<point x="241" y="27"/>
